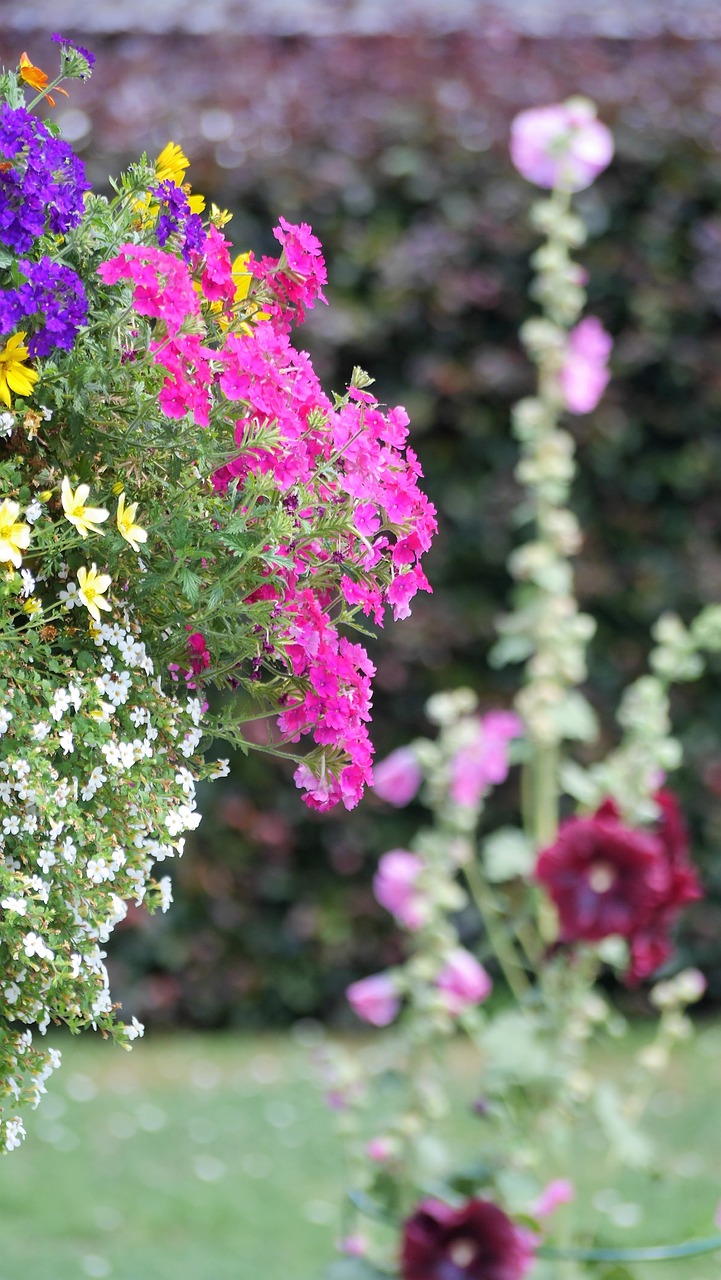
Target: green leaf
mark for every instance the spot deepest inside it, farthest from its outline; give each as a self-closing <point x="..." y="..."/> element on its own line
<point x="507" y="854"/>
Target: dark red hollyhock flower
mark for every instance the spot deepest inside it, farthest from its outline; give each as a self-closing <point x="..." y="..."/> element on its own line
<point x="652" y="945"/>
<point x="475" y="1242"/>
<point x="607" y="878"/>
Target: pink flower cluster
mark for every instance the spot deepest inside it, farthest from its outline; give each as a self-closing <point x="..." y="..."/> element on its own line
<point x="483" y="762"/>
<point x="562" y="145"/>
<point x="584" y="373"/>
<point x="347" y="465"/>
<point x="461" y="981"/>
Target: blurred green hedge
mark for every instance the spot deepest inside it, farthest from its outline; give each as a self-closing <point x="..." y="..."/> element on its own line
<point x="394" y="150"/>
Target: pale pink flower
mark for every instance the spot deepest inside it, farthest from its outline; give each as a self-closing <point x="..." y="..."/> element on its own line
<point x="380" y="1149"/>
<point x="463" y="981"/>
<point x="374" y="999"/>
<point x="394" y="886"/>
<point x="483" y="762"/>
<point x="584" y="374"/>
<point x="558" y="1192"/>
<point x="398" y="777"/>
<point x="354" y="1246"/>
<point x="562" y="145"/>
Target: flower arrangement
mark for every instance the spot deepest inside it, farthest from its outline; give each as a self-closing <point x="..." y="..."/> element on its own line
<point x="592" y="879"/>
<point x="190" y="532"/>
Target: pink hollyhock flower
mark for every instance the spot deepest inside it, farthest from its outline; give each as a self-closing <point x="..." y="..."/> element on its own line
<point x="380" y="1149"/>
<point x="607" y="878"/>
<point x="476" y="1242"/>
<point x="562" y="145"/>
<point x="394" y="886"/>
<point x="463" y="981"/>
<point x="374" y="999"/>
<point x="584" y="374"/>
<point x="398" y="777"/>
<point x="558" y="1192"/>
<point x="483" y="762"/>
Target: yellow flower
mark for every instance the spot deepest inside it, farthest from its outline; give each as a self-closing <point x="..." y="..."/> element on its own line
<point x="196" y="203"/>
<point x="14" y="536"/>
<point x="32" y="606"/>
<point x="84" y="518"/>
<point x="219" y="217"/>
<point x="171" y="164"/>
<point x="92" y="587"/>
<point x="13" y="374"/>
<point x="241" y="276"/>
<point x="132" y="532"/>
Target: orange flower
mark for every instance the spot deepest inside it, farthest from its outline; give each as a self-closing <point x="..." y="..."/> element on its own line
<point x="33" y="76"/>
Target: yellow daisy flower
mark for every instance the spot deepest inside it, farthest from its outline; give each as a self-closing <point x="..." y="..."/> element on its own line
<point x="84" y="518"/>
<point x="14" y="535"/>
<point x="91" y="590"/>
<point x="171" y="164"/>
<point x="14" y="376"/>
<point x="220" y="217"/>
<point x="132" y="532"/>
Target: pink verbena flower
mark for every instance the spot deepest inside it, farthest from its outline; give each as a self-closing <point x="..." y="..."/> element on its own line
<point x="478" y="1241"/>
<point x="463" y="982"/>
<point x="398" y="777"/>
<point x="584" y="374"/>
<point x="374" y="999"/>
<point x="562" y="145"/>
<point x="483" y="762"/>
<point x="395" y="887"/>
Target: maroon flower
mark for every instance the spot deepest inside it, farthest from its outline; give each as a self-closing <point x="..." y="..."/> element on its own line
<point x="607" y="878"/>
<point x="652" y="946"/>
<point x="475" y="1242"/>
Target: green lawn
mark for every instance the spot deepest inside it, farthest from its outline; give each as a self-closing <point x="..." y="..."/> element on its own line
<point x="212" y="1158"/>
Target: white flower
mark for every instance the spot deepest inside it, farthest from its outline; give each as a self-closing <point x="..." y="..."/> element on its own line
<point x="195" y="709"/>
<point x="69" y="596"/>
<point x="166" y="893"/>
<point x="36" y="946"/>
<point x="33" y="511"/>
<point x="11" y="992"/>
<point x="46" y="860"/>
<point x="134" y="1029"/>
<point x="60" y="704"/>
<point x="5" y="718"/>
<point x="28" y="582"/>
<point x="69" y="850"/>
<point x="67" y="742"/>
<point x="30" y="823"/>
<point x="41" y="730"/>
<point x="11" y="825"/>
<point x="190" y="742"/>
<point x="14" y="1133"/>
<point x="221" y="770"/>
<point x="7" y="423"/>
<point x="18" y="905"/>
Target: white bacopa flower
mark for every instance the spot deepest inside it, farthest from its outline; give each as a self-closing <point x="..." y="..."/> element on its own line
<point x="11" y="991"/>
<point x="46" y="860"/>
<point x="69" y="596"/>
<point x="134" y="1029"/>
<point x="5" y="718"/>
<point x="166" y="892"/>
<point x="69" y="850"/>
<point x="221" y="770"/>
<point x="28" y="582"/>
<point x="41" y="730"/>
<point x="35" y="945"/>
<point x="18" y="905"/>
<point x="7" y="424"/>
<point x="14" y="1133"/>
<point x="11" y="825"/>
<point x="33" y="511"/>
<point x="67" y="742"/>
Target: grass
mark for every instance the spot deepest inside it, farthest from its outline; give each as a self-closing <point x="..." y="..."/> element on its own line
<point x="212" y="1158"/>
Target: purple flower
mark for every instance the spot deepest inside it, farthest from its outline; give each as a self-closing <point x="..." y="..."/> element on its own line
<point x="374" y="999"/>
<point x="463" y="981"/>
<point x="563" y="145"/>
<point x="394" y="886"/>
<point x="398" y="777"/>
<point x="76" y="48"/>
<point x="483" y="762"/>
<point x="41" y="189"/>
<point x="584" y="373"/>
<point x="476" y="1242"/>
<point x="51" y="300"/>
<point x="175" y="216"/>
